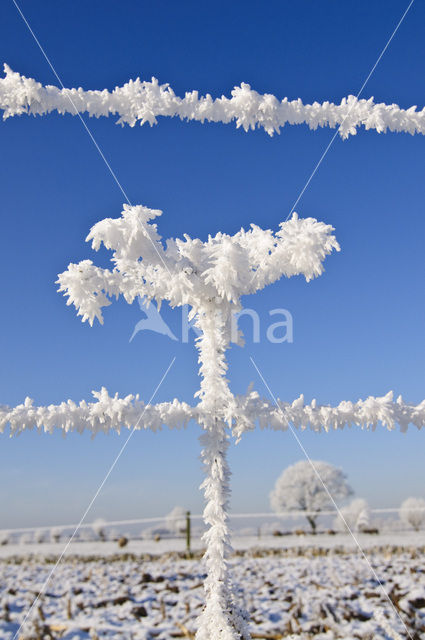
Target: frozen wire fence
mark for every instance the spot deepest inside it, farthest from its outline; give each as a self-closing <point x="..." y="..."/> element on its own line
<point x="140" y="102"/>
<point x="243" y="525"/>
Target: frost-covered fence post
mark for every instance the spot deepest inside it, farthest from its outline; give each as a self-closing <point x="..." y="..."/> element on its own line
<point x="210" y="277"/>
<point x="221" y="610"/>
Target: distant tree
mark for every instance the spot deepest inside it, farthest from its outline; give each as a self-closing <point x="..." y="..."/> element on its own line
<point x="412" y="512"/>
<point x="55" y="534"/>
<point x="4" y="538"/>
<point x="40" y="536"/>
<point x="300" y="489"/>
<point x="98" y="527"/>
<point x="363" y="521"/>
<point x="348" y="518"/>
<point x="176" y="520"/>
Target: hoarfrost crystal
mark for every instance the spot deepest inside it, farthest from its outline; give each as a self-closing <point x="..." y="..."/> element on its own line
<point x="144" y="101"/>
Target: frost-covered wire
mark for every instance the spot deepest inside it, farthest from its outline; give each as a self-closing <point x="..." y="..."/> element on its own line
<point x="143" y="101"/>
<point x="188" y="271"/>
<point x="107" y="413"/>
<point x="252" y="409"/>
<point x="111" y="413"/>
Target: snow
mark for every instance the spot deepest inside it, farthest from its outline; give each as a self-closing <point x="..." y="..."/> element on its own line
<point x="240" y="542"/>
<point x="143" y="101"/>
<point x="305" y="592"/>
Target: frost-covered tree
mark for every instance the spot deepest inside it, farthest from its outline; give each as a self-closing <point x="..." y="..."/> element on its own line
<point x="210" y="277"/>
<point x="412" y="512"/>
<point x="40" y="536"/>
<point x="363" y="520"/>
<point x="348" y="516"/>
<point x="55" y="534"/>
<point x="98" y="527"/>
<point x="305" y="487"/>
<point x="176" y="520"/>
<point x="4" y="538"/>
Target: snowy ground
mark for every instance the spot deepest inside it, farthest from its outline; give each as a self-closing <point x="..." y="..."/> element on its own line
<point x="323" y="594"/>
<point x="149" y="546"/>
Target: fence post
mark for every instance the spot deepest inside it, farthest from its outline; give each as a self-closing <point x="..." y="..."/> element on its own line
<point x="188" y="534"/>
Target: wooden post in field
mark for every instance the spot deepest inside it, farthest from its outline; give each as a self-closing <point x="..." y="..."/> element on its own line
<point x="188" y="534"/>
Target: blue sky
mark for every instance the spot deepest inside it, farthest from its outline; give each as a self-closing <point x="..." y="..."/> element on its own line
<point x="358" y="329"/>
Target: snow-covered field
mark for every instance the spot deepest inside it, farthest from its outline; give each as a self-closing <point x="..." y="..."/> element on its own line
<point x="310" y="593"/>
<point x="239" y="543"/>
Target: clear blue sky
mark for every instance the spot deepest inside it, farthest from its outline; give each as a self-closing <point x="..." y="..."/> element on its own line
<point x="358" y="329"/>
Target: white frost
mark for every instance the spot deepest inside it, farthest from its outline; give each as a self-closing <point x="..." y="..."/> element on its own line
<point x="111" y="413"/>
<point x="142" y="101"/>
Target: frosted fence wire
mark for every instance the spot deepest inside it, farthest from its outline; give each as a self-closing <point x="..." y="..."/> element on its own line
<point x="144" y="101"/>
<point x="255" y="526"/>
